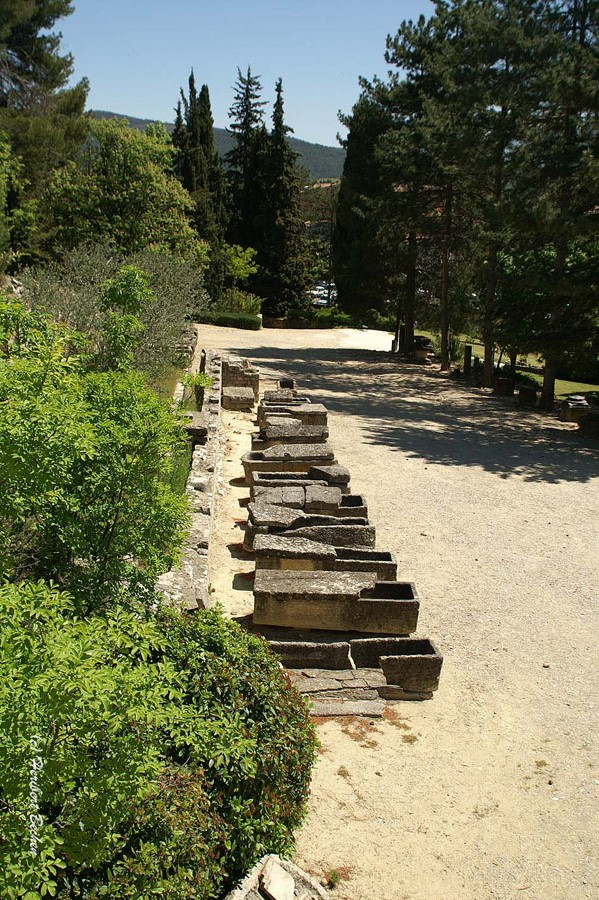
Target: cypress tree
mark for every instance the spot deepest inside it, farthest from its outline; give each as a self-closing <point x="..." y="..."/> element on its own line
<point x="283" y="277"/>
<point x="246" y="162"/>
<point x="198" y="167"/>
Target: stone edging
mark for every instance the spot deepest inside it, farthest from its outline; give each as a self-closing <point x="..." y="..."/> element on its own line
<point x="186" y="585"/>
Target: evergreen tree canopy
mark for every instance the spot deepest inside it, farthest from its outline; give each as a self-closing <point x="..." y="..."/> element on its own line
<point x="246" y="162"/>
<point x="283" y="279"/>
<point x="198" y="168"/>
<point x="31" y="66"/>
<point x="488" y="154"/>
<point x="264" y="198"/>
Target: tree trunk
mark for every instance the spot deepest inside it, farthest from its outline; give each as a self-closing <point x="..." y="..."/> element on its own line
<point x="488" y="317"/>
<point x="410" y="299"/>
<point x="548" y="390"/>
<point x="513" y="359"/>
<point x="445" y="360"/>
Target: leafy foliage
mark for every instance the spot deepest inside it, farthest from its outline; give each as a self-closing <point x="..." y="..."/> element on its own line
<point x="121" y="192"/>
<point x="69" y="291"/>
<point x="141" y="756"/>
<point x="88" y="458"/>
<point x="256" y="746"/>
<point x="233" y="319"/>
<point x="80" y="711"/>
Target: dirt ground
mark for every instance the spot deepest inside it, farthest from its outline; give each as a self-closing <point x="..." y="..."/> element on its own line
<point x="490" y="789"/>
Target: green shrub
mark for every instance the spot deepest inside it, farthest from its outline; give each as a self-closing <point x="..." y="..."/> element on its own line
<point x="158" y="758"/>
<point x="332" y="318"/>
<point x="89" y="458"/>
<point x="81" y="709"/>
<point x="236" y="300"/>
<point x="256" y="746"/>
<point x="70" y="292"/>
<point x="374" y="319"/>
<point x="231" y="320"/>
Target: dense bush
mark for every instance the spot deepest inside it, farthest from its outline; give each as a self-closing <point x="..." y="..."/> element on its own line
<point x="159" y="757"/>
<point x="374" y="319"/>
<point x="80" y="713"/>
<point x="231" y="319"/>
<point x="236" y="300"/>
<point x="69" y="291"/>
<point x="120" y="191"/>
<point x="332" y="317"/>
<point x="89" y="459"/>
<point x="242" y="741"/>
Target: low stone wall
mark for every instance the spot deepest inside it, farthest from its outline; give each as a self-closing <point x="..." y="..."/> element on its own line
<point x="186" y="585"/>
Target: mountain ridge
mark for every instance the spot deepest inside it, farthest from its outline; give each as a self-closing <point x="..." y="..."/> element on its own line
<point x="321" y="161"/>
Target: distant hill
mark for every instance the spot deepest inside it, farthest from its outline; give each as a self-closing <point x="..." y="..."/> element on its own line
<point x="320" y="161"/>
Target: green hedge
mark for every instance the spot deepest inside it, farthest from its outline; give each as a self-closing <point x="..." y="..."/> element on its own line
<point x="170" y="753"/>
<point x="332" y="318"/>
<point x="232" y="320"/>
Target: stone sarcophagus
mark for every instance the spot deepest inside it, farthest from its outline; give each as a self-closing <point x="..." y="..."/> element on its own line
<point x="287" y="458"/>
<point x="335" y="601"/>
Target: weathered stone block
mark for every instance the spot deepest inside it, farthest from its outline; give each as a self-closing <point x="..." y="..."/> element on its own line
<point x="324" y="500"/>
<point x="414" y="664"/>
<point x="307" y="413"/>
<point x="284" y="395"/>
<point x="291" y="433"/>
<point x="238" y="398"/>
<point x="353" y="505"/>
<point x="240" y="373"/>
<point x="355" y="559"/>
<point x="280" y="479"/>
<point x="332" y="473"/>
<point x="281" y="552"/>
<point x="252" y="886"/>
<point x="294" y="497"/>
<point x="196" y="426"/>
<point x="336" y="601"/>
<point x="286" y="458"/>
<point x="339" y="535"/>
<point x="312" y="654"/>
<point x="273" y="516"/>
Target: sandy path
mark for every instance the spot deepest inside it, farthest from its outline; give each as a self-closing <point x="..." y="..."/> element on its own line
<point x="491" y="789"/>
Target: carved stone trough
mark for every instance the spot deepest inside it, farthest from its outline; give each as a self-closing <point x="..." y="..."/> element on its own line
<point x="335" y="601"/>
<point x="396" y="668"/>
<point x="290" y="433"/>
<point x="287" y="458"/>
<point x="307" y="413"/>
<point x="265" y="518"/>
<point x="313" y="498"/>
<point x="287" y="552"/>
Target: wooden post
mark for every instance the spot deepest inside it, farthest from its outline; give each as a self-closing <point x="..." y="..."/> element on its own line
<point x="467" y="360"/>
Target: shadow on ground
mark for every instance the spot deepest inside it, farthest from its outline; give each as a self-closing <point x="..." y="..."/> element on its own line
<point x="422" y="414"/>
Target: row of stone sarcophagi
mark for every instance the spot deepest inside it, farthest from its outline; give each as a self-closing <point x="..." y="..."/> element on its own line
<point x="320" y="584"/>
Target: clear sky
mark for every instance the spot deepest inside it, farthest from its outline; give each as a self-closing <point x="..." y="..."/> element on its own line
<point x="138" y="53"/>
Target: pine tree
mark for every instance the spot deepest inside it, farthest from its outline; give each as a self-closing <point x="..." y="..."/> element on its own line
<point x="247" y="162"/>
<point x="40" y="114"/>
<point x="198" y="168"/>
<point x="558" y="180"/>
<point x="31" y="67"/>
<point x="359" y="261"/>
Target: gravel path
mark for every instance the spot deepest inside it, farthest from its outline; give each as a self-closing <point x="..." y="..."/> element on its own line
<point x="491" y="789"/>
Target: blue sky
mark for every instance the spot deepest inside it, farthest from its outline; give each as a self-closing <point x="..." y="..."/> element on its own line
<point x="137" y="53"/>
